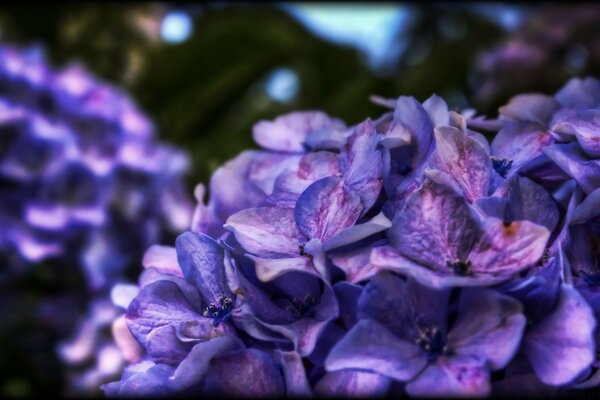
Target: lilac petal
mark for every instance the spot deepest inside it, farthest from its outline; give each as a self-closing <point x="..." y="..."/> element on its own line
<point x="588" y="209"/>
<point x="465" y="160"/>
<point x="355" y="233"/>
<point x="296" y="383"/>
<point x="192" y="370"/>
<point x="248" y="372"/>
<point x="520" y="142"/>
<point x="489" y="325"/>
<point x="204" y="219"/>
<point x="158" y="304"/>
<point x="437" y="109"/>
<point x="457" y="376"/>
<point x="388" y="258"/>
<point x="352" y="383"/>
<point x="163" y="346"/>
<point x="267" y="232"/>
<point x="361" y="163"/>
<point x="403" y="307"/>
<point x="507" y="248"/>
<point x="530" y="107"/>
<point x="201" y="260"/>
<point x="435" y="226"/>
<point x="577" y="164"/>
<point x="532" y="202"/>
<point x="579" y="93"/>
<point x="129" y="347"/>
<point x="230" y="189"/>
<point x="289" y="132"/>
<point x="163" y="259"/>
<point x="144" y="379"/>
<point x="562" y="345"/>
<point x="266" y="166"/>
<point x="492" y="206"/>
<point x="415" y="118"/>
<point x="347" y="295"/>
<point x="326" y="208"/>
<point x="586" y="128"/>
<point x="269" y="269"/>
<point x="355" y="264"/>
<point x="369" y="346"/>
<point x="312" y="167"/>
<point x="261" y="304"/>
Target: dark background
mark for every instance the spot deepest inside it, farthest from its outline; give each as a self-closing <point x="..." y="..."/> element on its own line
<point x="206" y="92"/>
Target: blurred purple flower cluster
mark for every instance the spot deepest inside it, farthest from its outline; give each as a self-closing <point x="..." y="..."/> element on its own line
<point x="405" y="254"/>
<point x="84" y="183"/>
<point x="82" y="174"/>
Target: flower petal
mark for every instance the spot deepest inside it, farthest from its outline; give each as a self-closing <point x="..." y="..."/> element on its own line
<point x="489" y="325"/>
<point x="435" y="226"/>
<point x="369" y="346"/>
<point x="562" y="345"/>
<point x="268" y="232"/>
<point x="465" y="160"/>
<point x="507" y="248"/>
<point x="248" y="372"/>
<point x="352" y="383"/>
<point x="577" y="164"/>
<point x="326" y="208"/>
<point x="458" y="376"/>
<point x="201" y="260"/>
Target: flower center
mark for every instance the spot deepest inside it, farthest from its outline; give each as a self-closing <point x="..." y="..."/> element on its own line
<point x="462" y="268"/>
<point x="403" y="168"/>
<point x="501" y="165"/>
<point x="302" y="252"/>
<point x="433" y="342"/>
<point x="302" y="307"/>
<point x="219" y="311"/>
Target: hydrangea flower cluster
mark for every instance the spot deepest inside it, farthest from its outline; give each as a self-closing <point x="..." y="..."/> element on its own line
<point x="81" y="170"/>
<point x="85" y="184"/>
<point x="402" y="255"/>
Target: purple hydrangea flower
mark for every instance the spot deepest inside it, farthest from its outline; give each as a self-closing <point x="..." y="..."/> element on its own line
<point x="84" y="183"/>
<point x="402" y="255"/>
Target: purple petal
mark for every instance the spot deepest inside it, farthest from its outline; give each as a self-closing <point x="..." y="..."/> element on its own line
<point x="577" y="164"/>
<point x="163" y="259"/>
<point x="388" y="258"/>
<point x="562" y="345"/>
<point x="312" y="167"/>
<point x="520" y="142"/>
<point x="201" y="260"/>
<point x="355" y="233"/>
<point x="143" y="379"/>
<point x="532" y="202"/>
<point x="437" y="109"/>
<point x="326" y="208"/>
<point x="588" y="209"/>
<point x="586" y="128"/>
<point x="369" y="346"/>
<point x="347" y="295"/>
<point x="579" y="93"/>
<point x="435" y="226"/>
<point x="530" y="107"/>
<point x="204" y="219"/>
<point x="361" y="163"/>
<point x="489" y="325"/>
<point x="269" y="269"/>
<point x="415" y="118"/>
<point x="352" y="383"/>
<point x="193" y="369"/>
<point x="465" y="160"/>
<point x="355" y="264"/>
<point x="403" y="307"/>
<point x="289" y="132"/>
<point x="507" y="248"/>
<point x="267" y="232"/>
<point x="457" y="376"/>
<point x="296" y="383"/>
<point x="248" y="372"/>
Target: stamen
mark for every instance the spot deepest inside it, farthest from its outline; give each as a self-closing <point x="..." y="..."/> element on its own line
<point x="302" y="253"/>
<point x="462" y="268"/>
<point x="501" y="165"/>
<point x="219" y="311"/>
